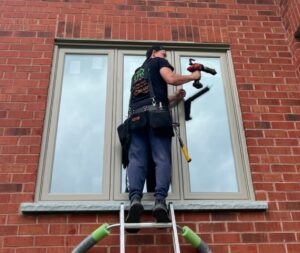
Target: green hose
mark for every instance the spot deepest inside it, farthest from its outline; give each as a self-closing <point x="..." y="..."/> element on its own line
<point x="191" y="237"/>
<point x="100" y="232"/>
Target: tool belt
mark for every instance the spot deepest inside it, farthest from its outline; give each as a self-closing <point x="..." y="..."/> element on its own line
<point x="148" y="108"/>
<point x="158" y="117"/>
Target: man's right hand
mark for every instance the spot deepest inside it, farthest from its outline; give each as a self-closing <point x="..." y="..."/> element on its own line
<point x="196" y="75"/>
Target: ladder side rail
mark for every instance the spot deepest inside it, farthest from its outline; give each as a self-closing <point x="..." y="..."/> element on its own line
<point x="122" y="229"/>
<point x="174" y="228"/>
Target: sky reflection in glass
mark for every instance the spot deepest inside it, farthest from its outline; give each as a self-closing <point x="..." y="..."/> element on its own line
<point x="78" y="156"/>
<point x="208" y="135"/>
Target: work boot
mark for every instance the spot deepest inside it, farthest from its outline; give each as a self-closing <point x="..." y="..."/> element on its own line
<point x="160" y="211"/>
<point x="134" y="214"/>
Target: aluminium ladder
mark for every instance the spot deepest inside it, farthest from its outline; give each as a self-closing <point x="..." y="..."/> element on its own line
<point x="104" y="230"/>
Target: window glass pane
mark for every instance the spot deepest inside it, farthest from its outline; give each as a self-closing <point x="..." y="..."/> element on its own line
<point x="78" y="155"/>
<point x="130" y="64"/>
<point x="208" y="135"/>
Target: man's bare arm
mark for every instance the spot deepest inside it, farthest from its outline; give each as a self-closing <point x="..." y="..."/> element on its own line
<point x="176" y="79"/>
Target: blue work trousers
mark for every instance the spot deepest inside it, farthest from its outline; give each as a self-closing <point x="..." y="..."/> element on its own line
<point x="146" y="142"/>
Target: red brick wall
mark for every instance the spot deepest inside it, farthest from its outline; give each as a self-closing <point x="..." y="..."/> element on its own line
<point x="266" y="62"/>
<point x="290" y="10"/>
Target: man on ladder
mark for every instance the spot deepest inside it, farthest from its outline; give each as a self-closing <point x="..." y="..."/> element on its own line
<point x="151" y="131"/>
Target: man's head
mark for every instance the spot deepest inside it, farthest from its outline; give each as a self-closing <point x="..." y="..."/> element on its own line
<point x="157" y="51"/>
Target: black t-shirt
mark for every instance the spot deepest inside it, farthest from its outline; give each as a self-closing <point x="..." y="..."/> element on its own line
<point x="140" y="93"/>
<point x="159" y="84"/>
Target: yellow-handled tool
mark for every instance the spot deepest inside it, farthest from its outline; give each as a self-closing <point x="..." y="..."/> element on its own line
<point x="183" y="147"/>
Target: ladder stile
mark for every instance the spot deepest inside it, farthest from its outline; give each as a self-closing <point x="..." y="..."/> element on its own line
<point x="122" y="229"/>
<point x="174" y="227"/>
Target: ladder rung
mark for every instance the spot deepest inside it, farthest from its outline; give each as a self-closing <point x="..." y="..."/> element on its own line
<point x="148" y="225"/>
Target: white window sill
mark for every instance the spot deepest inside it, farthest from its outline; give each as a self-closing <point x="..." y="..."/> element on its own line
<point x="90" y="206"/>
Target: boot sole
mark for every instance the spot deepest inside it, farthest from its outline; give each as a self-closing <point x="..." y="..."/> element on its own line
<point x="134" y="216"/>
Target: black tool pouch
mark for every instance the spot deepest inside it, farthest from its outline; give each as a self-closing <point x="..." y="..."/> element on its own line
<point x="125" y="139"/>
<point x="160" y="119"/>
<point x="138" y="121"/>
<point x="123" y="131"/>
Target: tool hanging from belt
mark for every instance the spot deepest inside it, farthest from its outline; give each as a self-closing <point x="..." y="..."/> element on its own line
<point x="183" y="147"/>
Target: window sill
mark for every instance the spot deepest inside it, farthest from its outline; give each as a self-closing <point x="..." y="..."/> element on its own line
<point x="89" y="206"/>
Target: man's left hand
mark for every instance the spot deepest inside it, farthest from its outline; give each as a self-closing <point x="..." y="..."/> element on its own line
<point x="179" y="94"/>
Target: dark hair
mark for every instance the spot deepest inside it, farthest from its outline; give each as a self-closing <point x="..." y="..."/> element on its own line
<point x="150" y="50"/>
